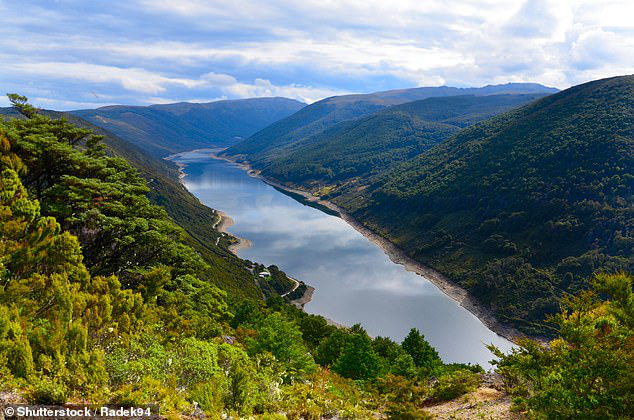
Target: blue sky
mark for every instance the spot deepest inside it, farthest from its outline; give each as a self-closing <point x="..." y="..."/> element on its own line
<point x="70" y="54"/>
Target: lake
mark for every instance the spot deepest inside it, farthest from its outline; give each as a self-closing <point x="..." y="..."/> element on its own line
<point x="354" y="280"/>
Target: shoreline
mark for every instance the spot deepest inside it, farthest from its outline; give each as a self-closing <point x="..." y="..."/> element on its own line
<point x="398" y="256"/>
<point x="222" y="225"/>
<point x="224" y="222"/>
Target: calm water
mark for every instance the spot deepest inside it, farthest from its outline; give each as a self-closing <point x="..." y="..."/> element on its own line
<point x="355" y="282"/>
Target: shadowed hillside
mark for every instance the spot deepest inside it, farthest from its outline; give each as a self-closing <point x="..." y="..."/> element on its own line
<point x="522" y="208"/>
<point x="357" y="150"/>
<point x="166" y="129"/>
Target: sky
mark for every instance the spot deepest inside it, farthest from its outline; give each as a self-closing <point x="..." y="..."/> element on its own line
<point x="71" y="54"/>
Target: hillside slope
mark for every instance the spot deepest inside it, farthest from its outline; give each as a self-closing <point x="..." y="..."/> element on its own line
<point x="330" y="111"/>
<point x="186" y="210"/>
<point x="362" y="148"/>
<point x="522" y="208"/>
<point x="166" y="129"/>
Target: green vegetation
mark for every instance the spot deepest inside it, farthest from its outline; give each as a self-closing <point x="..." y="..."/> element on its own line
<point x="319" y="116"/>
<point x="102" y="300"/>
<point x="588" y="372"/>
<point x="519" y="209"/>
<point x="357" y="151"/>
<point x="522" y="208"/>
<point x="165" y="189"/>
<point x="277" y="283"/>
<point x="134" y="323"/>
<point x="161" y="130"/>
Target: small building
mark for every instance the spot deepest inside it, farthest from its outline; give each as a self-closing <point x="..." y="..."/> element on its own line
<point x="264" y="274"/>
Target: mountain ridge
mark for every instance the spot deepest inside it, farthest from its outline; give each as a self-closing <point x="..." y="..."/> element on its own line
<point x="323" y="114"/>
<point x="354" y="150"/>
<point x="164" y="129"/>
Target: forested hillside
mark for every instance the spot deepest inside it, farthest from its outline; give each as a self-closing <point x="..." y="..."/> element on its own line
<point x="197" y="220"/>
<point x="162" y="130"/>
<point x="520" y="209"/>
<point x="323" y="114"/>
<point x="358" y="150"/>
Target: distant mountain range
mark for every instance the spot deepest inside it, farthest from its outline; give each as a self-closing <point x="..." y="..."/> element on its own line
<point x="162" y="130"/>
<point x="330" y="111"/>
<point x="370" y="145"/>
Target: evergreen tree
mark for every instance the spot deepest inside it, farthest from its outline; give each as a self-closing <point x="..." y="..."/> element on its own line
<point x="358" y="360"/>
<point x="423" y="354"/>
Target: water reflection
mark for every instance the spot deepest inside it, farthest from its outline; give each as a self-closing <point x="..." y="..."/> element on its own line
<point x="355" y="281"/>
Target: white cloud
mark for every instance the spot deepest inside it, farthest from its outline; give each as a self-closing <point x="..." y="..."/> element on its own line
<point x="263" y="88"/>
<point x="194" y="49"/>
<point x="135" y="79"/>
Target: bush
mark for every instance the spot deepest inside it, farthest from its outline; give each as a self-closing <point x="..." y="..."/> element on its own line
<point x="454" y="384"/>
<point x="588" y="372"/>
<point x="196" y="361"/>
<point x="48" y="391"/>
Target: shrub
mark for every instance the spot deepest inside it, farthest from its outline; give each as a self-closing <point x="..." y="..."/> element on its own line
<point x="454" y="384"/>
<point x="48" y="391"/>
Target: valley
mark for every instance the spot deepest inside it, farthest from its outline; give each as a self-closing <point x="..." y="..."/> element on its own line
<point x="416" y="232"/>
<point x="490" y="205"/>
<point x="356" y="278"/>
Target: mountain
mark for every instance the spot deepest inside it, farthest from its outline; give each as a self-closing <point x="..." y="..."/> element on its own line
<point x="427" y="92"/>
<point x="330" y="111"/>
<point x="522" y="208"/>
<point x="162" y="130"/>
<point x="362" y="148"/>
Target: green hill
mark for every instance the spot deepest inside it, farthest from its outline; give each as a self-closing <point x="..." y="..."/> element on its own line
<point x="362" y="148"/>
<point x="166" y="129"/>
<point x="330" y="111"/>
<point x="520" y="209"/>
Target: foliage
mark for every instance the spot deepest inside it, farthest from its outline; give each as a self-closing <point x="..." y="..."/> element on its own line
<point x="422" y="353"/>
<point x="588" y="371"/>
<point x="156" y="329"/>
<point x="277" y="283"/>
<point x="358" y="360"/>
<point x="404" y="397"/>
<point x="454" y="384"/>
<point x="519" y="209"/>
<point x="358" y="150"/>
<point x="282" y="338"/>
<point x="162" y="177"/>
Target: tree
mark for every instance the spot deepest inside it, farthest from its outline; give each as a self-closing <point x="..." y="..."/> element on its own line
<point x="99" y="199"/>
<point x="283" y="339"/>
<point x="423" y="354"/>
<point x="331" y="348"/>
<point x="314" y="329"/>
<point x="358" y="360"/>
